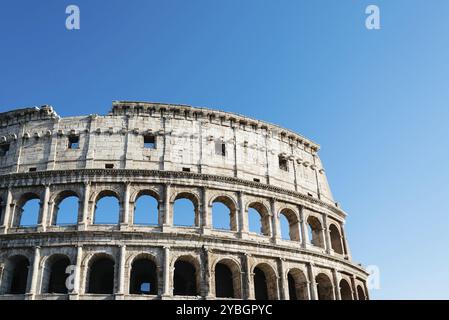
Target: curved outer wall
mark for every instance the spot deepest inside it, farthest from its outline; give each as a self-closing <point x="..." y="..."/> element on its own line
<point x="198" y="153"/>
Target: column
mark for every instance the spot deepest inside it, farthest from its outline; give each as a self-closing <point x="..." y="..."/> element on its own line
<point x="283" y="283"/>
<point x="207" y="273"/>
<point x="345" y="242"/>
<point x="121" y="277"/>
<point x="313" y="288"/>
<point x="247" y="280"/>
<point x="326" y="236"/>
<point x="304" y="233"/>
<point x="354" y="288"/>
<point x="9" y="206"/>
<point x="276" y="232"/>
<point x="35" y="273"/>
<point x="243" y="217"/>
<point x="166" y="216"/>
<point x="206" y="218"/>
<point x="77" y="280"/>
<point x="167" y="288"/>
<point x="43" y="221"/>
<point x="125" y="218"/>
<point x="84" y="218"/>
<point x="336" y="284"/>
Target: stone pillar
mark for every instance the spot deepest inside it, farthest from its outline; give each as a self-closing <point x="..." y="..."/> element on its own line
<point x="207" y="273"/>
<point x="276" y="228"/>
<point x="243" y="217"/>
<point x="35" y="273"/>
<point x="9" y="207"/>
<point x="121" y="274"/>
<point x="206" y="214"/>
<point x="248" y="279"/>
<point x="75" y="292"/>
<point x="168" y="292"/>
<point x="84" y="218"/>
<point x="125" y="212"/>
<point x="304" y="233"/>
<point x="166" y="215"/>
<point x="345" y="242"/>
<point x="326" y="236"/>
<point x="283" y="283"/>
<point x="44" y="215"/>
<point x="336" y="277"/>
<point x="354" y="288"/>
<point x="313" y="288"/>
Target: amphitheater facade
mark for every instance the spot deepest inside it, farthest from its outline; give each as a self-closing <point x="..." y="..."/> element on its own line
<point x="169" y="153"/>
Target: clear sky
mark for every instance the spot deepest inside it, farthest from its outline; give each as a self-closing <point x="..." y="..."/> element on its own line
<point x="377" y="101"/>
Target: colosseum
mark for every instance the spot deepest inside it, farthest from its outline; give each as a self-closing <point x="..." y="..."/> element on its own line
<point x="281" y="233"/>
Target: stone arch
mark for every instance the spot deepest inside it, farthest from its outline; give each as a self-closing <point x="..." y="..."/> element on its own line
<point x="100" y="215"/>
<point x="54" y="274"/>
<point x="230" y="204"/>
<point x="316" y="231"/>
<point x="59" y="199"/>
<point x="100" y="274"/>
<point x="33" y="213"/>
<point x="293" y="224"/>
<point x="16" y="275"/>
<point x="345" y="290"/>
<point x="143" y="277"/>
<point x="297" y="284"/>
<point x="186" y="276"/>
<point x="227" y="278"/>
<point x="361" y="293"/>
<point x="265" y="282"/>
<point x="153" y="204"/>
<point x="264" y="214"/>
<point x="324" y="287"/>
<point x="193" y="201"/>
<point x="336" y="241"/>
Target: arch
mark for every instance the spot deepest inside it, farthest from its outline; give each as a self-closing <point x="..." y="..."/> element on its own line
<point x="265" y="282"/>
<point x="55" y="275"/>
<point x="146" y="209"/>
<point x="186" y="277"/>
<point x="297" y="285"/>
<point x="345" y="290"/>
<point x="290" y="226"/>
<point x="324" y="287"/>
<point x="224" y="213"/>
<point x="185" y="210"/>
<point x="227" y="279"/>
<point x="66" y="209"/>
<point x="315" y="231"/>
<point x="29" y="210"/>
<point x="16" y="274"/>
<point x="361" y="293"/>
<point x="259" y="219"/>
<point x="335" y="239"/>
<point x="107" y="208"/>
<point x="101" y="274"/>
<point x="143" y="279"/>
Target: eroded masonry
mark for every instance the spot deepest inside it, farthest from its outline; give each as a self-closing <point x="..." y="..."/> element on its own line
<point x="95" y="207"/>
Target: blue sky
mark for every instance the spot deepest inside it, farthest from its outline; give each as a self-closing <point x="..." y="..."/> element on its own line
<point x="376" y="101"/>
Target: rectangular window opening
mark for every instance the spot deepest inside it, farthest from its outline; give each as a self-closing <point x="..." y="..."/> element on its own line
<point x="220" y="148"/>
<point x="283" y="164"/>
<point x="256" y="180"/>
<point x="149" y="142"/>
<point x="186" y="169"/>
<point x="109" y="166"/>
<point x="33" y="169"/>
<point x="4" y="148"/>
<point x="74" y="142"/>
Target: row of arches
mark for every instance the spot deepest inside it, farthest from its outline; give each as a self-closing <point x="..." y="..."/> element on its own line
<point x="144" y="278"/>
<point x="146" y="211"/>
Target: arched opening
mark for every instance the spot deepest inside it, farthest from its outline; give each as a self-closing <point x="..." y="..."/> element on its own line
<point x="101" y="275"/>
<point x="29" y="211"/>
<point x="185" y="279"/>
<point x="58" y="276"/>
<point x="335" y="239"/>
<point x="224" y="214"/>
<point x="18" y="269"/>
<point x="259" y="219"/>
<point x="224" y="284"/>
<point x="297" y="285"/>
<point x="66" y="210"/>
<point x="185" y="211"/>
<point x="143" y="277"/>
<point x="289" y="225"/>
<point x="345" y="290"/>
<point x="324" y="287"/>
<point x="316" y="232"/>
<point x="146" y="211"/>
<point x="107" y="209"/>
<point x="361" y="293"/>
<point x="265" y="279"/>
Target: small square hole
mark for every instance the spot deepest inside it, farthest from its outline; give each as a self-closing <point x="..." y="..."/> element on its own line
<point x="33" y="169"/>
<point x="4" y="148"/>
<point x="149" y="142"/>
<point x="256" y="180"/>
<point x="109" y="166"/>
<point x="74" y="142"/>
<point x="186" y="169"/>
